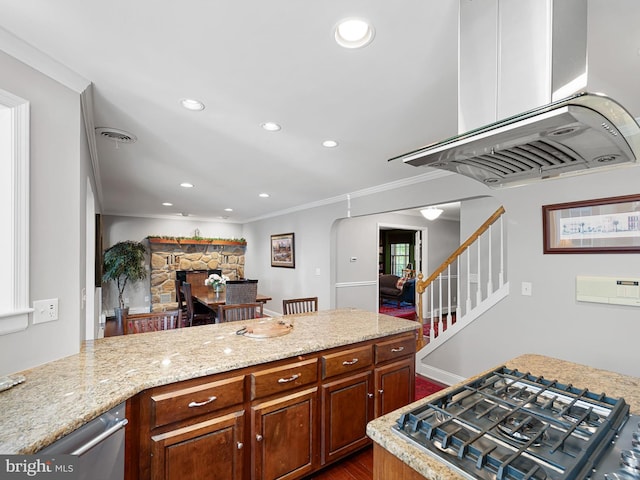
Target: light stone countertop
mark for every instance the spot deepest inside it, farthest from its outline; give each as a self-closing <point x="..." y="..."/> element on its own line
<point x="581" y="376"/>
<point x="62" y="395"/>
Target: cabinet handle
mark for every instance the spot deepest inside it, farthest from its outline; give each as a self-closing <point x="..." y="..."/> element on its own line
<point x="200" y="404"/>
<point x="380" y="392"/>
<point x="293" y="377"/>
<point x="399" y="349"/>
<point x="370" y="395"/>
<point x="240" y="445"/>
<point x="259" y="437"/>
<point x="352" y="362"/>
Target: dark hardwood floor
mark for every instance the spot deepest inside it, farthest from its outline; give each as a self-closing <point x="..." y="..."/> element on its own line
<point x="358" y="466"/>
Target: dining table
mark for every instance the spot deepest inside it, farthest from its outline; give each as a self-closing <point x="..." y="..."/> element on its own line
<point x="213" y="300"/>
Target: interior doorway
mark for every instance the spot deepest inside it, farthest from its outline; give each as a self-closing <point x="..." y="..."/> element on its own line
<point x="402" y="253"/>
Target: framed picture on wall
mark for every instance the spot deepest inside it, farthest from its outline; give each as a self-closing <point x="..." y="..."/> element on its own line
<point x="603" y="225"/>
<point x="283" y="252"/>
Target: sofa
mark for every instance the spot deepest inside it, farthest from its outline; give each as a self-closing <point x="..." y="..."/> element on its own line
<point x="388" y="289"/>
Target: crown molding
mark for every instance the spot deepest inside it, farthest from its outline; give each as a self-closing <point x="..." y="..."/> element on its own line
<point x="42" y="62"/>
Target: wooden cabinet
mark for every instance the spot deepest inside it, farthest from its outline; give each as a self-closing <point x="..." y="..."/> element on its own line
<point x="284" y="436"/>
<point x="395" y="376"/>
<point x="209" y="450"/>
<point x="278" y="421"/>
<point x="347" y="407"/>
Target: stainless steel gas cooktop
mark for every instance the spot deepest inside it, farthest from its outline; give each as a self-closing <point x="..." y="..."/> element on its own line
<point x="509" y="425"/>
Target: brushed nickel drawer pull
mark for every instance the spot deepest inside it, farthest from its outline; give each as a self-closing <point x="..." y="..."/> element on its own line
<point x="200" y="404"/>
<point x="293" y="377"/>
<point x="352" y="362"/>
<point x="399" y="349"/>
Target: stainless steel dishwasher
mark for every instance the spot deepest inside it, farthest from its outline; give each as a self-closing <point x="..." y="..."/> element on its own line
<point x="99" y="446"/>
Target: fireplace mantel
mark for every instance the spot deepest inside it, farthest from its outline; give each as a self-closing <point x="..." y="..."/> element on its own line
<point x="195" y="241"/>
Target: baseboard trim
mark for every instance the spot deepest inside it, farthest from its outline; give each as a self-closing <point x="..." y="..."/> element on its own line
<point x="437" y="374"/>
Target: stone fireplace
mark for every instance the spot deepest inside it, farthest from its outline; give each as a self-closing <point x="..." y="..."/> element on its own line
<point x="171" y="255"/>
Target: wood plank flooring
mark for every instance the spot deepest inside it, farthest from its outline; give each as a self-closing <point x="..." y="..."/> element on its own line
<point x="358" y="466"/>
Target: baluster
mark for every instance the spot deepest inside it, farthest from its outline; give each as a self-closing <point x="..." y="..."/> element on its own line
<point x="479" y="291"/>
<point x="458" y="286"/>
<point x="501" y="275"/>
<point x="432" y="313"/>
<point x="468" y="309"/>
<point x="490" y="273"/>
<point x="440" y="300"/>
<point x="449" y="294"/>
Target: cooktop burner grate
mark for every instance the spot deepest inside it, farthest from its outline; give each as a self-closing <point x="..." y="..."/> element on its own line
<point x="511" y="425"/>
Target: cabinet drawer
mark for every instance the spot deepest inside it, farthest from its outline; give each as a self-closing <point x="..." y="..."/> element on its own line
<point x="179" y="404"/>
<point x="347" y="361"/>
<point x="286" y="377"/>
<point x="391" y="349"/>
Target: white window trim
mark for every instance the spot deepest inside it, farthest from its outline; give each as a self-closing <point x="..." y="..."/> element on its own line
<point x="18" y="318"/>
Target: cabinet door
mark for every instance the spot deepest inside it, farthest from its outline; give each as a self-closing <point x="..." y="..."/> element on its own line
<point x="210" y="450"/>
<point x="284" y="436"/>
<point x="395" y="385"/>
<point x="347" y="407"/>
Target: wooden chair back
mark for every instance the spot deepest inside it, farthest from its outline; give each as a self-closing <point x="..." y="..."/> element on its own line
<point x="196" y="280"/>
<point x="299" y="305"/>
<point x="194" y="317"/>
<point x="241" y="291"/>
<point x="152" y="322"/>
<point x="240" y="311"/>
<point x="180" y="299"/>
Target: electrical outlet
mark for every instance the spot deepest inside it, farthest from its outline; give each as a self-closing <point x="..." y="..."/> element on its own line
<point x="45" y="311"/>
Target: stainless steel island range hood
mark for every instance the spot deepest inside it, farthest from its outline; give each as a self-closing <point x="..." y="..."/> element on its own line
<point x="574" y="135"/>
<point x="532" y="56"/>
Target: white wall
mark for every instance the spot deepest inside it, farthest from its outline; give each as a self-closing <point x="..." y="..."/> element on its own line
<point x="58" y="175"/>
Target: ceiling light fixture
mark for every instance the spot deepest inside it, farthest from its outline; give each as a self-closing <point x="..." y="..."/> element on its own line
<point x="228" y="209"/>
<point x="167" y="204"/>
<point x="431" y="213"/>
<point x="186" y="185"/>
<point x="271" y="126"/>
<point x="354" y="33"/>
<point x="191" y="104"/>
<point x="264" y="195"/>
<point x="330" y="143"/>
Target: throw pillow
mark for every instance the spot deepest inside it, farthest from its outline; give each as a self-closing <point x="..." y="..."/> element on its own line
<point x="400" y="282"/>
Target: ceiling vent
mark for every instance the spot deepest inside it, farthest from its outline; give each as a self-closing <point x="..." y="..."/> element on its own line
<point x="119" y="136"/>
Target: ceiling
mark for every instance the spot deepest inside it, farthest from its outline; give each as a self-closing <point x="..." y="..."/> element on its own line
<point x="249" y="63"/>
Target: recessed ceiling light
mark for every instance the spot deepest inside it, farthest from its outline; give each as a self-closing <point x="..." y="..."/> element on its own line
<point x="168" y="204"/>
<point x="354" y="33"/>
<point x="191" y="104"/>
<point x="264" y="195"/>
<point x="330" y="143"/>
<point x="271" y="126"/>
<point x="186" y="185"/>
<point x="228" y="209"/>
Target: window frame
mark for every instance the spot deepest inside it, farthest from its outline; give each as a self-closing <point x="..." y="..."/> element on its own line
<point x="16" y="318"/>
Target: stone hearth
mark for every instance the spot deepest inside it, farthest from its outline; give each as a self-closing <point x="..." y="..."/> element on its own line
<point x="169" y="256"/>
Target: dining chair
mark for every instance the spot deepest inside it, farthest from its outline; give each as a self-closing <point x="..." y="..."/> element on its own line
<point x="152" y="322"/>
<point x="239" y="311"/>
<point x="241" y="291"/>
<point x="201" y="317"/>
<point x="299" y="305"/>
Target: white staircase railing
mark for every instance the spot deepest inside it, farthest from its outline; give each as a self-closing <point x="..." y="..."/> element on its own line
<point x="477" y="266"/>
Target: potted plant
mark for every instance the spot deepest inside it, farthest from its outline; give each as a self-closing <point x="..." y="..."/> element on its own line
<point x="123" y="262"/>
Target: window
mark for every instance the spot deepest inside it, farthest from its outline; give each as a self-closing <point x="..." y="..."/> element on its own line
<point x="399" y="258"/>
<point x="14" y="212"/>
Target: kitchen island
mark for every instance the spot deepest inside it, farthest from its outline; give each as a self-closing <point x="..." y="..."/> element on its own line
<point x="395" y="456"/>
<point x="62" y="395"/>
